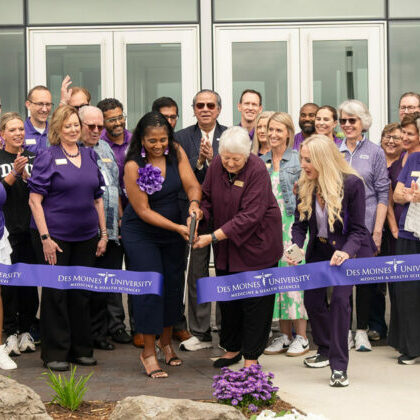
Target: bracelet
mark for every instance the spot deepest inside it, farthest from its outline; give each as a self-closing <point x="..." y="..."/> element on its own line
<point x="214" y="238"/>
<point x="15" y="174"/>
<point x="194" y="201"/>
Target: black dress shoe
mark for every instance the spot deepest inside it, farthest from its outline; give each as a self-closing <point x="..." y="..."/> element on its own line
<point x="57" y="366"/>
<point x="121" y="336"/>
<point x="103" y="345"/>
<point x="84" y="361"/>
<point x="224" y="362"/>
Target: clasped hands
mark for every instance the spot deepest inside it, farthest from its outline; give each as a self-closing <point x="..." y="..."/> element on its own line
<point x="206" y="151"/>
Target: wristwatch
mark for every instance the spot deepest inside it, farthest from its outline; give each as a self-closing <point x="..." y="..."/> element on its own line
<point x="44" y="237"/>
<point x="213" y="238"/>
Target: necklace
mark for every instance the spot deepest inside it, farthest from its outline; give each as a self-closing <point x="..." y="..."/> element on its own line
<point x="69" y="154"/>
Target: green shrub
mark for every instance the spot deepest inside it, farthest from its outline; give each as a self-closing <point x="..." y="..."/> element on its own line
<point x="68" y="392"/>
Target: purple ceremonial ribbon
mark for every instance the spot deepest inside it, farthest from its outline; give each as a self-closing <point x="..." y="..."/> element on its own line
<point x="308" y="276"/>
<point x="84" y="278"/>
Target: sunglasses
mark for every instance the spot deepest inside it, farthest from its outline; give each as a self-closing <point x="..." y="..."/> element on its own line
<point x="351" y="121"/>
<point x="201" y="105"/>
<point x="93" y="126"/>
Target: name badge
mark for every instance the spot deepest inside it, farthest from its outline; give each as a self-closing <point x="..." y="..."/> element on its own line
<point x="239" y="183"/>
<point x="61" y="161"/>
<point x="30" y="142"/>
<point x="415" y="174"/>
<point x="364" y="156"/>
<point x="106" y="160"/>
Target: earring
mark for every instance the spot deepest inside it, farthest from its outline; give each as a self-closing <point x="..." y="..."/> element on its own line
<point x="166" y="152"/>
<point x="143" y="152"/>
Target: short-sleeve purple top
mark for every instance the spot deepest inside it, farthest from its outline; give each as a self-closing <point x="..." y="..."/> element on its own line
<point x="393" y="172"/>
<point x="69" y="193"/>
<point x="409" y="173"/>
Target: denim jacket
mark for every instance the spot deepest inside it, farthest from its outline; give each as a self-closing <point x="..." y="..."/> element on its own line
<point x="288" y="174"/>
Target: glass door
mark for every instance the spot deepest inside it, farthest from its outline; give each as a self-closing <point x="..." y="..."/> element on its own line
<point x="345" y="62"/>
<point x="260" y="58"/>
<point x="154" y="62"/>
<point x="134" y="65"/>
<point x="84" y="55"/>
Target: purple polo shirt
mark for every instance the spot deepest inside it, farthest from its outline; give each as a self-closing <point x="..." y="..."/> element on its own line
<point x="69" y="193"/>
<point x="369" y="161"/>
<point x="393" y="172"/>
<point x="35" y="142"/>
<point x="120" y="151"/>
<point x="299" y="139"/>
<point x="409" y="173"/>
<point x="247" y="212"/>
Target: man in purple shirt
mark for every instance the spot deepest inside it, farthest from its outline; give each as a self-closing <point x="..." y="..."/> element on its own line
<point x="306" y="123"/>
<point x="39" y="104"/>
<point x="116" y="135"/>
<point x="250" y="105"/>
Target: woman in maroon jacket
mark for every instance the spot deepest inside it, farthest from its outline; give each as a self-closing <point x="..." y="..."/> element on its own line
<point x="237" y="196"/>
<point x="331" y="205"/>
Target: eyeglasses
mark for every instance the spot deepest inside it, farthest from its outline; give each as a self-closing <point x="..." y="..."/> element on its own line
<point x="201" y="105"/>
<point x="80" y="106"/>
<point x="351" y="121"/>
<point x="42" y="104"/>
<point x="387" y="138"/>
<point x="114" y="120"/>
<point x="410" y="108"/>
<point x="93" y="126"/>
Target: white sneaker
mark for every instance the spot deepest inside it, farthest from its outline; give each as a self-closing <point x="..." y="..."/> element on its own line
<point x="6" y="363"/>
<point x="350" y="340"/>
<point x="299" y="346"/>
<point x="279" y="345"/>
<point x="12" y="346"/>
<point x="362" y="341"/>
<point x="26" y="343"/>
<point x="194" y="344"/>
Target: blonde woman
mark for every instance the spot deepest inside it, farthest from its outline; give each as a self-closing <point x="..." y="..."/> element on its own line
<point x="283" y="166"/>
<point x="260" y="144"/>
<point x="331" y="205"/>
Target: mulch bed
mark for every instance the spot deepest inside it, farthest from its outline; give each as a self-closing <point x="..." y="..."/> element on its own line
<point x="101" y="410"/>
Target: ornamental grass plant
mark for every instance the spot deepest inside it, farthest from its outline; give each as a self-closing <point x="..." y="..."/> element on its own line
<point x="69" y="392"/>
<point x="248" y="389"/>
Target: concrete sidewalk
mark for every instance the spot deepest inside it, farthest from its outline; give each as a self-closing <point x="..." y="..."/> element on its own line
<point x="379" y="387"/>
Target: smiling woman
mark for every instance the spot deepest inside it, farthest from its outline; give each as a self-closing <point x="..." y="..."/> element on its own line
<point x="20" y="303"/>
<point x="67" y="208"/>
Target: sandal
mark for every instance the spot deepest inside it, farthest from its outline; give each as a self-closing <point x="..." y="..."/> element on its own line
<point x="156" y="373"/>
<point x="171" y="359"/>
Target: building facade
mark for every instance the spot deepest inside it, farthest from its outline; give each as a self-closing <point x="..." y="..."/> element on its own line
<point x="291" y="51"/>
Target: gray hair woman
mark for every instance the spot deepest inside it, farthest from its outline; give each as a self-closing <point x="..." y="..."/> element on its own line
<point x="369" y="161"/>
<point x="237" y="195"/>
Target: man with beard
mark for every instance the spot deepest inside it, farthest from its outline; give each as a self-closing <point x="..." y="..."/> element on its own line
<point x="306" y="123"/>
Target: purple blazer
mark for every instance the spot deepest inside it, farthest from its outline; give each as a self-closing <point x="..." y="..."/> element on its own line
<point x="352" y="236"/>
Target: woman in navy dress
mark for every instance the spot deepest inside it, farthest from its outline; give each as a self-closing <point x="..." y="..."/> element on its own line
<point x="152" y="232"/>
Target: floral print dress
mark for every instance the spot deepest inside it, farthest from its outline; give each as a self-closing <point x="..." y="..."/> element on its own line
<point x="288" y="305"/>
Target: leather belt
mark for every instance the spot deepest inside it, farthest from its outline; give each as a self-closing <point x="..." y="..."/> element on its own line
<point x="323" y="240"/>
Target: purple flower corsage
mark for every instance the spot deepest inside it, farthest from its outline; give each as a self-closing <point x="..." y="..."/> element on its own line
<point x="150" y="179"/>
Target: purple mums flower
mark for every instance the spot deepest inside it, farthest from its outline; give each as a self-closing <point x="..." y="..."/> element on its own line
<point x="252" y="408"/>
<point x="150" y="179"/>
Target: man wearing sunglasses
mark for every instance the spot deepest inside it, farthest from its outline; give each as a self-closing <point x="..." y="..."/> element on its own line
<point x="92" y="125"/>
<point x="39" y="104"/>
<point x="201" y="143"/>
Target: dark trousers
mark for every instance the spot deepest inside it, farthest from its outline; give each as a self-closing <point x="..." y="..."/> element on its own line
<point x="246" y="324"/>
<point x="364" y="293"/>
<point x="330" y="324"/>
<point x="65" y="314"/>
<point x="147" y="252"/>
<point x="100" y="315"/>
<point x="20" y="303"/>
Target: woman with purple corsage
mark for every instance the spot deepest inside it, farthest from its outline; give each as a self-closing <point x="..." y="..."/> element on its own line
<point x="156" y="171"/>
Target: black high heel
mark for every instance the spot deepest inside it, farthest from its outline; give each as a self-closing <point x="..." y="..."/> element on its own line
<point x="224" y="361"/>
